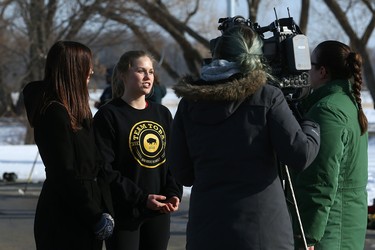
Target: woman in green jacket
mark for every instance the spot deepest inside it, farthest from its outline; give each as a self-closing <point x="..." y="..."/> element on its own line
<point x="331" y="192"/>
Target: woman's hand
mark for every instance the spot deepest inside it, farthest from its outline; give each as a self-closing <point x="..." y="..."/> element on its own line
<point x="172" y="203"/>
<point x="154" y="202"/>
<point x="160" y="203"/>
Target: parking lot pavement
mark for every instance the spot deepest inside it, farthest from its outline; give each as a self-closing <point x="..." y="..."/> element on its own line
<point x="17" y="211"/>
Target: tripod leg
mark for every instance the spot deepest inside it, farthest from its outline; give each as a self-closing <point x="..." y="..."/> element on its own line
<point x="296" y="206"/>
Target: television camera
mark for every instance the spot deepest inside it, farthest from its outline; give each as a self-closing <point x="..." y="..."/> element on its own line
<point x="287" y="53"/>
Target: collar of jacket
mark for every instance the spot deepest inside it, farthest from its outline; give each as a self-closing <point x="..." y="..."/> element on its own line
<point x="327" y="89"/>
<point x="237" y="87"/>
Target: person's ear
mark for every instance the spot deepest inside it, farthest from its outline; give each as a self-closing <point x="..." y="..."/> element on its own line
<point x="323" y="72"/>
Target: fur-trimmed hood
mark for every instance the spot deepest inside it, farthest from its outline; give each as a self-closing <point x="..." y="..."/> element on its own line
<point x="231" y="89"/>
<point x="213" y="102"/>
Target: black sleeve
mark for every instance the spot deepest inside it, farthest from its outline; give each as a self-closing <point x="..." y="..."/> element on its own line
<point x="178" y="157"/>
<point x="173" y="187"/>
<point x="294" y="146"/>
<point x="124" y="188"/>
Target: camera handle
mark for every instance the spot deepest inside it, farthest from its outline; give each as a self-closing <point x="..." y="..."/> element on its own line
<point x="294" y="203"/>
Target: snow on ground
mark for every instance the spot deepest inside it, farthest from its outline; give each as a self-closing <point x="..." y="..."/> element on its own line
<point x="24" y="160"/>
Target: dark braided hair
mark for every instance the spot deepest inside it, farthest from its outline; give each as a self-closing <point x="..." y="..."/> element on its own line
<point x="342" y="63"/>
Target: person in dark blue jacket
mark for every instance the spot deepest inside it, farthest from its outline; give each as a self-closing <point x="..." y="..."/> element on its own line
<point x="230" y="132"/>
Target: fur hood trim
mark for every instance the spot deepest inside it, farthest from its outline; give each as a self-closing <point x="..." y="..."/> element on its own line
<point x="230" y="89"/>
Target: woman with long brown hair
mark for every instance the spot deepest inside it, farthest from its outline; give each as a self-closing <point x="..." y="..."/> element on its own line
<point x="74" y="208"/>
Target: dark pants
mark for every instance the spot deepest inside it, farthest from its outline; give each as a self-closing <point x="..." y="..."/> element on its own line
<point x="59" y="228"/>
<point x="151" y="234"/>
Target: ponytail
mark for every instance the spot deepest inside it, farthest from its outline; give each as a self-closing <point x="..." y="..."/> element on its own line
<point x="344" y="64"/>
<point x="354" y="62"/>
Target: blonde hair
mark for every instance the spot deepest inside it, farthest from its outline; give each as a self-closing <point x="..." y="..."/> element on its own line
<point x="125" y="62"/>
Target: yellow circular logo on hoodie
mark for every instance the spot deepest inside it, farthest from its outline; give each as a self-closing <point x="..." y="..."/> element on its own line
<point x="147" y="141"/>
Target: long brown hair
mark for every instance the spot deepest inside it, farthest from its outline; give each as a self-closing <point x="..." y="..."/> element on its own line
<point x="68" y="66"/>
<point x="342" y="63"/>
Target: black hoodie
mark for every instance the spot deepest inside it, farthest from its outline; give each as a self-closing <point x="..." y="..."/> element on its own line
<point x="74" y="193"/>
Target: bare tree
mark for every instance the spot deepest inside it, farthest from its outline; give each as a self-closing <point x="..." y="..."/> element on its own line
<point x="359" y="43"/>
<point x="304" y="17"/>
<point x="35" y="25"/>
<point x="135" y="14"/>
<point x="253" y="6"/>
<point x="143" y="37"/>
<point x="6" y="104"/>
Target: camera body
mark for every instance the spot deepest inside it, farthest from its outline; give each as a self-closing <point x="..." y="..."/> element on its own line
<point x="286" y="52"/>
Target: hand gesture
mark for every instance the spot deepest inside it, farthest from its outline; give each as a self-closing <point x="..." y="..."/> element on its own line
<point x="154" y="202"/>
<point x="172" y="203"/>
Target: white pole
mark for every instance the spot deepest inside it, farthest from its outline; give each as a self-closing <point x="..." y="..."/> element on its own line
<point x="230" y="8"/>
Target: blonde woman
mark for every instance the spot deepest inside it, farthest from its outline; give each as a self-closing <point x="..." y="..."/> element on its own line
<point x="133" y="135"/>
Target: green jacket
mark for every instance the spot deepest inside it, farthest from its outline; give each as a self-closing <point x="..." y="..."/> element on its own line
<point x="331" y="192"/>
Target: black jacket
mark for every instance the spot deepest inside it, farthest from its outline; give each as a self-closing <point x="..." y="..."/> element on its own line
<point x="228" y="138"/>
<point x="74" y="193"/>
